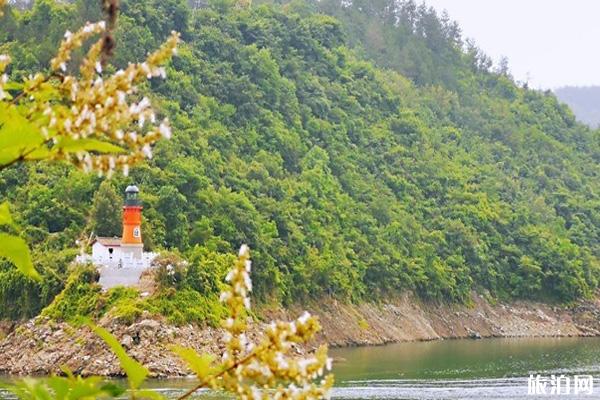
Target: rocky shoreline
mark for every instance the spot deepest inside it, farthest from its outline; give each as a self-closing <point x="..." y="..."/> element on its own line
<point x="42" y="346"/>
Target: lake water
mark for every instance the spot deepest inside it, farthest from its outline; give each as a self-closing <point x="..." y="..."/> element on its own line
<point x="451" y="369"/>
<point x="463" y="369"/>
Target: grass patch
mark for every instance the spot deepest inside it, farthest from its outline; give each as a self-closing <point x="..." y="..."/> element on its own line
<point x="79" y="299"/>
<point x="83" y="298"/>
<point x="182" y="306"/>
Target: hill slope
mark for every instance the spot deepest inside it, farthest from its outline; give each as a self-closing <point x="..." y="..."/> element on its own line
<point x="345" y="176"/>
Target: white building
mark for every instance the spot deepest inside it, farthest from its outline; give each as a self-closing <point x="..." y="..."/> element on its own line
<point x="107" y="251"/>
<point x="110" y="252"/>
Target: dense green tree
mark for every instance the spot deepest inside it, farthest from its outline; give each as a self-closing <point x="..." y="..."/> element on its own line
<point x="360" y="148"/>
<point x="172" y="205"/>
<point x="105" y="216"/>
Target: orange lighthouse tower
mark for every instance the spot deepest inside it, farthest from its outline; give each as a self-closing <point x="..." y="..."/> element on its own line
<point x="131" y="241"/>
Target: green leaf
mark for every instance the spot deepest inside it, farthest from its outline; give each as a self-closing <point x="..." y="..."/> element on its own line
<point x="74" y="145"/>
<point x="136" y="372"/>
<point x="18" y="136"/>
<point x="86" y="388"/>
<point x="5" y="217"/>
<point x="77" y="387"/>
<point x="15" y="250"/>
<point x="46" y="92"/>
<point x="71" y="387"/>
<point x="29" y="388"/>
<point x="41" y="153"/>
<point x="60" y="386"/>
<point x="112" y="389"/>
<point x="12" y="85"/>
<point x="148" y="394"/>
<point x="201" y="364"/>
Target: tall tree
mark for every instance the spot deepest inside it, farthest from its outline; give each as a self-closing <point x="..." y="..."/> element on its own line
<point x="106" y="211"/>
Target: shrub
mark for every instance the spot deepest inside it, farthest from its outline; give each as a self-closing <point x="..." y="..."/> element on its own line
<point x="80" y="297"/>
<point x="170" y="270"/>
<point x="186" y="306"/>
<point x="23" y="297"/>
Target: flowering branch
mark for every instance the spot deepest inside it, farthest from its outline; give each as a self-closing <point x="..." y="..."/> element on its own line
<point x="86" y="119"/>
<point x="260" y="372"/>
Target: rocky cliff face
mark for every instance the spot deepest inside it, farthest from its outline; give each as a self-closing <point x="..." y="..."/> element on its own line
<point x="408" y="319"/>
<point x="42" y="346"/>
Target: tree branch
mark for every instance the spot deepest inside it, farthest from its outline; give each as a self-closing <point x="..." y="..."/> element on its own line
<point x="204" y="382"/>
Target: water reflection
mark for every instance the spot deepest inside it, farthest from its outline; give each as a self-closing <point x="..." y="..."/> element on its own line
<point x="494" y="358"/>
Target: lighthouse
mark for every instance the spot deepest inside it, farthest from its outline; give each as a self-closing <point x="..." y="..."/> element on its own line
<point x="121" y="261"/>
<point x="131" y="241"/>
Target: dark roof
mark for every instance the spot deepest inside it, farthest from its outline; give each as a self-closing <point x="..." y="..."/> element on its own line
<point x="108" y="241"/>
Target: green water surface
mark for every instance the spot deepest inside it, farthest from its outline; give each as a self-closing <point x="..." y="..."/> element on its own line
<point x="449" y="370"/>
<point x="463" y="369"/>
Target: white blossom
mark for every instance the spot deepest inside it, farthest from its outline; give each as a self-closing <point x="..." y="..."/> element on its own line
<point x="165" y="130"/>
<point x="244" y="250"/>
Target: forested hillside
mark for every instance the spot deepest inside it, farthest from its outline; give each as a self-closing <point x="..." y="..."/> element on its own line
<point x="585" y="102"/>
<point x="360" y="150"/>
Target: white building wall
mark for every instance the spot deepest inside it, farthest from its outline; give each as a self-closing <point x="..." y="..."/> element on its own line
<point x="132" y="253"/>
<point x="123" y="267"/>
<point x="101" y="254"/>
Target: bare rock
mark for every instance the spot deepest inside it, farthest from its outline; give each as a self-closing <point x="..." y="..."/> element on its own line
<point x="127" y="342"/>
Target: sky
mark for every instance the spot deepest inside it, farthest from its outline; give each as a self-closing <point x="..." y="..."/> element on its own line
<point x="549" y="43"/>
